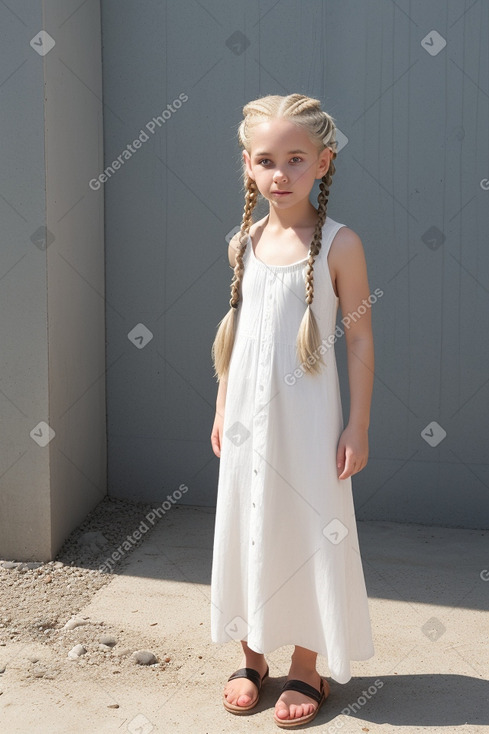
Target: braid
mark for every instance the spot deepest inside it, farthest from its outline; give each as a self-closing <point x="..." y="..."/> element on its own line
<point x="251" y="198"/>
<point x="308" y="338"/>
<point x="223" y="343"/>
<point x="316" y="240"/>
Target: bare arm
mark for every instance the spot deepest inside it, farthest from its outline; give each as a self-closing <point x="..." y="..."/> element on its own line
<point x="216" y="434"/>
<point x="221" y="396"/>
<point x="233" y="246"/>
<point x="349" y="265"/>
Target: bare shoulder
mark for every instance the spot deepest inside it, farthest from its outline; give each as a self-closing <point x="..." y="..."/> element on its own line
<point x="346" y="259"/>
<point x="346" y="243"/>
<point x="234" y="242"/>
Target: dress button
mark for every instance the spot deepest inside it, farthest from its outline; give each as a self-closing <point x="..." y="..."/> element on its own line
<point x="252" y="542"/>
<point x="255" y="471"/>
<point x="253" y="504"/>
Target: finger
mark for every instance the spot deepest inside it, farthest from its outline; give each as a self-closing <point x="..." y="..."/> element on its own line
<point x="340" y="458"/>
<point x="349" y="468"/>
<point x="215" y="445"/>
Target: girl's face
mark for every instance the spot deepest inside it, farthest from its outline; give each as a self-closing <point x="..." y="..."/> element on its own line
<point x="283" y="159"/>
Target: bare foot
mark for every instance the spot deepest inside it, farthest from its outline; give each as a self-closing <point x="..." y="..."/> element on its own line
<point x="241" y="691"/>
<point x="292" y="704"/>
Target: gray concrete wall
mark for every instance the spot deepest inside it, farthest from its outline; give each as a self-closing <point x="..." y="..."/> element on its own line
<point x="408" y="182"/>
<point x="412" y="180"/>
<point x="52" y="329"/>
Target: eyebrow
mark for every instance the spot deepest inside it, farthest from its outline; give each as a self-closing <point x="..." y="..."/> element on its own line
<point x="291" y="152"/>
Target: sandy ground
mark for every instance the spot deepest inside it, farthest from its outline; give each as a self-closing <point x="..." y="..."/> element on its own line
<point x="428" y="599"/>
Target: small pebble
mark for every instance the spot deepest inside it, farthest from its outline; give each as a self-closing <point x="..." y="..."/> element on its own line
<point x="143" y="657"/>
<point x="71" y="624"/>
<point x="76" y="652"/>
<point x="108" y="640"/>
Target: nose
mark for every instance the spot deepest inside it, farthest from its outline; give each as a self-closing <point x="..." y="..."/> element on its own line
<point x="278" y="175"/>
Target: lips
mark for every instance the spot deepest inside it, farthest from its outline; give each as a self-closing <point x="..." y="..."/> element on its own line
<point x="281" y="193"/>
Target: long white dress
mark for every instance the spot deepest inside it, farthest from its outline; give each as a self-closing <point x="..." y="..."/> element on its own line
<point x="286" y="566"/>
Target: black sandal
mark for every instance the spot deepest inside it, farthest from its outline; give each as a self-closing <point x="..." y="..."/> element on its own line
<point x="301" y="687"/>
<point x="254" y="677"/>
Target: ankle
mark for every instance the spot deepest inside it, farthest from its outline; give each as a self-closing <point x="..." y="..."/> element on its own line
<point x="254" y="660"/>
<point x="304" y="666"/>
<point x="254" y="657"/>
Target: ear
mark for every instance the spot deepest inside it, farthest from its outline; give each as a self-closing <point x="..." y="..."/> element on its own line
<point x="247" y="161"/>
<point x="323" y="162"/>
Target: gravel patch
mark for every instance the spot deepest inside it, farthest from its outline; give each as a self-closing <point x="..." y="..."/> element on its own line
<point x="43" y="633"/>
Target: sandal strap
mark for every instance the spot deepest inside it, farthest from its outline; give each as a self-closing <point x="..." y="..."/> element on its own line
<point x="250" y="673"/>
<point x="301" y="687"/>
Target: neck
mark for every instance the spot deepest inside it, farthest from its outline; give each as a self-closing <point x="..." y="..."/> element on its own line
<point x="301" y="216"/>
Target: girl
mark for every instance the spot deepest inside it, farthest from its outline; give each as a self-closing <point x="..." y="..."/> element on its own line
<point x="286" y="566"/>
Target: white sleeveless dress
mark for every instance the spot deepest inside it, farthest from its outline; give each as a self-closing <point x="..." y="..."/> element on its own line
<point x="286" y="566"/>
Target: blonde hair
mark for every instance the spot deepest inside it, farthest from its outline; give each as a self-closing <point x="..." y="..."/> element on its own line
<point x="305" y="112"/>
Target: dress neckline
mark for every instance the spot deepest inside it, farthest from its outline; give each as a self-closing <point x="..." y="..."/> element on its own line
<point x="282" y="268"/>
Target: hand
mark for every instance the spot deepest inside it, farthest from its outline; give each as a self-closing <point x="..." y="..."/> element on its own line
<point x="352" y="452"/>
<point x="216" y="435"/>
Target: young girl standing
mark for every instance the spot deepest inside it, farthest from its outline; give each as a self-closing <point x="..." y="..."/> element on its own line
<point x="286" y="564"/>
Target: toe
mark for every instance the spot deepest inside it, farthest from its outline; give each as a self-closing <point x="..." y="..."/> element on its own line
<point x="234" y="697"/>
<point x="294" y="711"/>
<point x="282" y="712"/>
<point x="243" y="700"/>
<point x="300" y="710"/>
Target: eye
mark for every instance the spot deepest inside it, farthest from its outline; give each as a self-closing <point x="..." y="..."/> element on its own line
<point x="297" y="158"/>
<point x="263" y="160"/>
